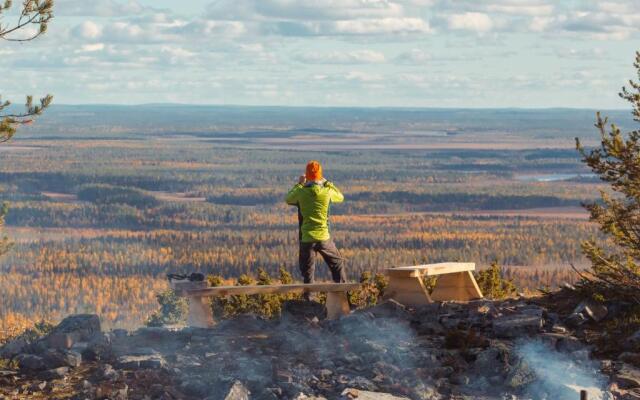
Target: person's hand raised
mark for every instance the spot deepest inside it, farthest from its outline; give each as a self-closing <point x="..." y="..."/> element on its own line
<point x="302" y="179"/>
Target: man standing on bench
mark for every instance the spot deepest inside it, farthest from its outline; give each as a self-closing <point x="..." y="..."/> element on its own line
<point x="313" y="195"/>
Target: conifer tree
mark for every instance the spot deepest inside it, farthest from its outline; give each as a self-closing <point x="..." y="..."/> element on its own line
<point x="31" y="22"/>
<point x="615" y="272"/>
<point x="493" y="284"/>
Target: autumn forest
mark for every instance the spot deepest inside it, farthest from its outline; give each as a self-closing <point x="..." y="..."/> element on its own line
<point x="98" y="216"/>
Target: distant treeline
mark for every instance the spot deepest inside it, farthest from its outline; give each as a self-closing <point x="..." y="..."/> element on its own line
<point x="463" y="201"/>
<point x="106" y="194"/>
<point x="417" y="201"/>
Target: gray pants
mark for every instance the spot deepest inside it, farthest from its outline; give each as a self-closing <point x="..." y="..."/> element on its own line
<point x="329" y="253"/>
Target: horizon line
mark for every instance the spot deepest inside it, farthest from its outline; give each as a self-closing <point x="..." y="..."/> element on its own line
<point x="337" y="106"/>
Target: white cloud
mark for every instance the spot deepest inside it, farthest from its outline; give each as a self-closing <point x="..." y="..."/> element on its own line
<point x="582" y="54"/>
<point x="619" y="7"/>
<point x="470" y="21"/>
<point x="380" y="26"/>
<point x="541" y="24"/>
<point x="402" y="51"/>
<point x="90" y="48"/>
<point x="208" y="28"/>
<point x="346" y="28"/>
<point x="88" y="30"/>
<point x="495" y="7"/>
<point x="521" y="7"/>
<point x="600" y="26"/>
<point x="349" y="57"/>
<point x="413" y="56"/>
<point x="363" y="77"/>
<point x="322" y="17"/>
<point x="100" y="8"/>
<point x="176" y="55"/>
<point x="304" y="9"/>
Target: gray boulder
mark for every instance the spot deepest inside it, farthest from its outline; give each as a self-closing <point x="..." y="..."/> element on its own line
<point x="98" y="348"/>
<point x="116" y="391"/>
<point x="628" y="377"/>
<point x="30" y="363"/>
<point x="569" y="344"/>
<point x="105" y="372"/>
<point x="592" y="309"/>
<point x="13" y="348"/>
<point x="134" y="362"/>
<point x="55" y="373"/>
<point x="196" y="388"/>
<point x="61" y="358"/>
<point x="60" y="340"/>
<point x="629" y="357"/>
<point x="389" y="309"/>
<point x="510" y="326"/>
<point x="520" y="376"/>
<point x="81" y="327"/>
<point x="493" y="361"/>
<point x="633" y="341"/>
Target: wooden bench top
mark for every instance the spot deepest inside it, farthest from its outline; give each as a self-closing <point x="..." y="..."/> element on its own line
<point x="431" y="269"/>
<point x="264" y="289"/>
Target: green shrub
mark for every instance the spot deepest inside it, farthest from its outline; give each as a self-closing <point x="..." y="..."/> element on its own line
<point x="270" y="305"/>
<point x="371" y="291"/>
<point x="492" y="283"/>
<point x="265" y="305"/>
<point x="173" y="310"/>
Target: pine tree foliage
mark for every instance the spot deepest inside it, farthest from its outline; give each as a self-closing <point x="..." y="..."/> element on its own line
<point x="173" y="310"/>
<point x="615" y="270"/>
<point x="32" y="21"/>
<point x="371" y="290"/>
<point x="265" y="305"/>
<point x="492" y="283"/>
<point x="34" y="18"/>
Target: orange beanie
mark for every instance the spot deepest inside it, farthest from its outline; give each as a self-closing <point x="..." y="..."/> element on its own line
<point x="314" y="171"/>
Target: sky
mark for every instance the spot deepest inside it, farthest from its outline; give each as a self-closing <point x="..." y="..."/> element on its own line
<point x="397" y="53"/>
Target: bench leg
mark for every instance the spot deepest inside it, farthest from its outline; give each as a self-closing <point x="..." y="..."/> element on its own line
<point x="337" y="305"/>
<point x="409" y="291"/>
<point x="460" y="286"/>
<point x="200" y="313"/>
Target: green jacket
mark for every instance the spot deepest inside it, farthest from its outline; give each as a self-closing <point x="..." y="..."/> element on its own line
<point x="313" y="201"/>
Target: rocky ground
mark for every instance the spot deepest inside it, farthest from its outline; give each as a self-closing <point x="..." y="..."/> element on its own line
<point x="515" y="349"/>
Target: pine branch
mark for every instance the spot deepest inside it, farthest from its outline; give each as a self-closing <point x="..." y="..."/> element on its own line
<point x="33" y="13"/>
<point x="9" y="122"/>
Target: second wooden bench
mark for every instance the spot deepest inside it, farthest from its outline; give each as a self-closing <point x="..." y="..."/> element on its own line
<point x="455" y="282"/>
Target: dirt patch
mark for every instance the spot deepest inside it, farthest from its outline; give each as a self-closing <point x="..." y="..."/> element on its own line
<point x="61" y="197"/>
<point x="178" y="197"/>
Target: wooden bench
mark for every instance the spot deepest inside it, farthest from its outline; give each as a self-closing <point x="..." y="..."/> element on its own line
<point x="455" y="282"/>
<point x="201" y="314"/>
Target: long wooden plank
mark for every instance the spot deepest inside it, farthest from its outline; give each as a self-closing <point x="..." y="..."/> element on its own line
<point x="268" y="289"/>
<point x="435" y="269"/>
